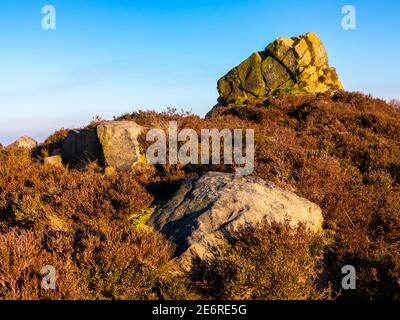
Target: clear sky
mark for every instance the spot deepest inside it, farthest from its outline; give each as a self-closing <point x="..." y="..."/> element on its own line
<point x="110" y="57"/>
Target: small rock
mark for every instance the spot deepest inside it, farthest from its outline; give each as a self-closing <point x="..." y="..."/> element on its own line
<point x="24" y="142"/>
<point x="53" y="161"/>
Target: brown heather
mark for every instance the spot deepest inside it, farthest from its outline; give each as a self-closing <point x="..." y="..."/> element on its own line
<point x="268" y="263"/>
<point x="341" y="151"/>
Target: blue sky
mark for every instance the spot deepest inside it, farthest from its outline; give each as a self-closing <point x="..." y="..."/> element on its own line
<point x="110" y="57"/>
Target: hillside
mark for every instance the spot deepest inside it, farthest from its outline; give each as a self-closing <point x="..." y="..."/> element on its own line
<point x="340" y="151"/>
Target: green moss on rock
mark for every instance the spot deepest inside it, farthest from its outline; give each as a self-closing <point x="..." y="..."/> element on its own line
<point x="298" y="65"/>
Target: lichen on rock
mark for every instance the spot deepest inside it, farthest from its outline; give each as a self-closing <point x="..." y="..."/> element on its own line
<point x="298" y="65"/>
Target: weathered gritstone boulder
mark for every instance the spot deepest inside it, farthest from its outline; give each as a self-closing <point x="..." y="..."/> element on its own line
<point x="207" y="209"/>
<point x="113" y="144"/>
<point x="298" y="65"/>
<point x="119" y="144"/>
<point x="24" y="142"/>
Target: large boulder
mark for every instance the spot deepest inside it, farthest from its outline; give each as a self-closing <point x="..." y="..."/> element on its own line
<point x="207" y="209"/>
<point x="25" y="143"/>
<point x="112" y="144"/>
<point x="298" y="65"/>
<point x="119" y="144"/>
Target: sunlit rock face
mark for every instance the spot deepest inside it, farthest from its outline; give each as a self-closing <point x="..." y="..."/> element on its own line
<point x="298" y="65"/>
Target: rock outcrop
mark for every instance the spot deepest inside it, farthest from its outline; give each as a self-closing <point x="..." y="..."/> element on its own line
<point x="298" y="65"/>
<point x="24" y="142"/>
<point x="205" y="210"/>
<point x="113" y="144"/>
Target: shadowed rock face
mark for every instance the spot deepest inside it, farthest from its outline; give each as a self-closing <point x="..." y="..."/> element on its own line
<point x="204" y="210"/>
<point x="80" y="147"/>
<point x="113" y="144"/>
<point x="298" y="65"/>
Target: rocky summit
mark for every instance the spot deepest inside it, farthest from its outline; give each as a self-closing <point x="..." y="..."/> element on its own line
<point x="298" y="65"/>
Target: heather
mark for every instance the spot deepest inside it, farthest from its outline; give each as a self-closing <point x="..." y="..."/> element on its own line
<point x="340" y="151"/>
